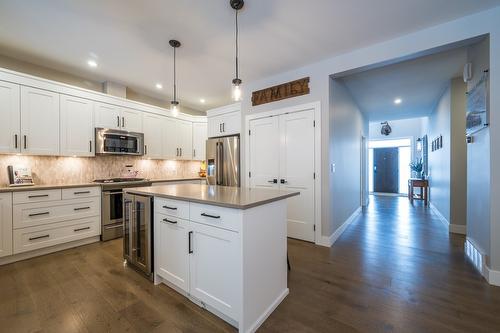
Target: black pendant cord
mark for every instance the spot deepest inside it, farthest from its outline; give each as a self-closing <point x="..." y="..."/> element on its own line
<point x="236" y="21"/>
<point x="175" y="79"/>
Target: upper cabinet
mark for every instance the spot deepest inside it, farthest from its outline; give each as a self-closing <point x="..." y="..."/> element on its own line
<point x="184" y="136"/>
<point x="10" y="115"/>
<point x="107" y="116"/>
<point x="199" y="141"/>
<point x="39" y="121"/>
<point x="153" y="141"/>
<point x="224" y="121"/>
<point x="131" y="120"/>
<point x="77" y="126"/>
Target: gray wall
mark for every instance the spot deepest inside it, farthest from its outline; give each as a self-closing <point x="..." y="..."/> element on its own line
<point x="458" y="151"/>
<point x="347" y="126"/>
<point x="448" y="165"/>
<point x="439" y="160"/>
<point x="478" y="165"/>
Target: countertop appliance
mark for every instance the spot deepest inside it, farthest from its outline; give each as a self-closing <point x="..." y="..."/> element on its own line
<point x="223" y="161"/>
<point x="138" y="232"/>
<point x="112" y="204"/>
<point x="115" y="142"/>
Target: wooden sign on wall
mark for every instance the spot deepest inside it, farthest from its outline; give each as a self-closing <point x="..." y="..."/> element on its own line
<point x="282" y="91"/>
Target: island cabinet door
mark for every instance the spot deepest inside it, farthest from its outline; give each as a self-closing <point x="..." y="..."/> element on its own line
<point x="215" y="277"/>
<point x="172" y="257"/>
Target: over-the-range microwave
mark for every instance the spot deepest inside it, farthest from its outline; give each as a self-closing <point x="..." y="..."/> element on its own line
<point x="115" y="142"/>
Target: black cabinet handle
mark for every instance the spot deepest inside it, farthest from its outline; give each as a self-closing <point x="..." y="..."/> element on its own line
<point x="194" y="152"/>
<point x="39" y="214"/>
<point x="118" y="121"/>
<point x="37" y="196"/>
<point x="170" y="221"/>
<point x="223" y="127"/>
<point x="171" y="208"/>
<point x="90" y="146"/>
<point x="211" y="216"/>
<point x="81" y="192"/>
<point x="283" y="181"/>
<point x="220" y="128"/>
<point x="25" y="142"/>
<point x="81" y="208"/>
<point x="190" y="234"/>
<point x="146" y="149"/>
<point x="39" y="237"/>
<point x="15" y="141"/>
<point x="180" y="150"/>
<point x="81" y="229"/>
<point x="123" y="121"/>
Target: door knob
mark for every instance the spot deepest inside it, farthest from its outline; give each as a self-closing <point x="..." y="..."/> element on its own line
<point x="274" y="181"/>
<point x="283" y="181"/>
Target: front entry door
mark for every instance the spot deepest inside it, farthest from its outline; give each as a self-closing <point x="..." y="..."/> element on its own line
<point x="386" y="170"/>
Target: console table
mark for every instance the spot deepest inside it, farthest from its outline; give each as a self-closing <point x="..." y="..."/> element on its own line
<point x="424" y="189"/>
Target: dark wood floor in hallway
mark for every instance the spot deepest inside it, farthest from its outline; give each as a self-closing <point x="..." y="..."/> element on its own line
<point x="395" y="269"/>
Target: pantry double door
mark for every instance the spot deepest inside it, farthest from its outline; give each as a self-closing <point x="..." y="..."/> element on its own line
<point x="282" y="156"/>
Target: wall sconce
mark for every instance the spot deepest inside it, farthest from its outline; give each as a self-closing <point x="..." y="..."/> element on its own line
<point x="419" y="144"/>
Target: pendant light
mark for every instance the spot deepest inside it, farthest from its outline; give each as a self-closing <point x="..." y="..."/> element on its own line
<point x="236" y="91"/>
<point x="174" y="104"/>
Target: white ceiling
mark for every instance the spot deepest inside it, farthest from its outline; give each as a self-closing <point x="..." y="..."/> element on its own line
<point x="129" y="38"/>
<point x="419" y="83"/>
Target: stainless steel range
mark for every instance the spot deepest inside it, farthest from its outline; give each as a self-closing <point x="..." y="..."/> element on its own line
<point x="112" y="204"/>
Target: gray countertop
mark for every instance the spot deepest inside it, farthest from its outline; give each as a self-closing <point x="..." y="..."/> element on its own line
<point x="61" y="186"/>
<point x="223" y="196"/>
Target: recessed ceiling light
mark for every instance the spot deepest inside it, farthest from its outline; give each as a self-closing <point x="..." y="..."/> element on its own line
<point x="92" y="63"/>
<point x="159" y="86"/>
<point x="398" y="101"/>
<point x="202" y="100"/>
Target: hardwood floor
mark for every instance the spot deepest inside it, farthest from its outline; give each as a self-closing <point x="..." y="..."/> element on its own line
<point x="395" y="269"/>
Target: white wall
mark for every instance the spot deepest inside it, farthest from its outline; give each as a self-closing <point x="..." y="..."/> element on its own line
<point x="347" y="126"/>
<point x="439" y="160"/>
<point x="402" y="128"/>
<point x="479" y="229"/>
<point x="403" y="47"/>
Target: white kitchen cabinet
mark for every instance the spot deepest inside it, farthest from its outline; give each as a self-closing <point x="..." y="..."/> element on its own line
<point x="153" y="141"/>
<point x="107" y="116"/>
<point x="214" y="268"/>
<point x="184" y="135"/>
<point x="169" y="138"/>
<point x="39" y="121"/>
<point x="5" y="224"/>
<point x="77" y="126"/>
<point x="224" y="121"/>
<point x="131" y="120"/>
<point x="199" y="141"/>
<point x="10" y="115"/>
<point x="172" y="256"/>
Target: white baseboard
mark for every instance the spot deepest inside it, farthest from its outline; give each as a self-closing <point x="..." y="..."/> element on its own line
<point x="453" y="228"/>
<point x="383" y="194"/>
<point x="329" y="240"/>
<point x="493" y="276"/>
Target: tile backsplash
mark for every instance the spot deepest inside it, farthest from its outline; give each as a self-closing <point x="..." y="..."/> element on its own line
<point x="74" y="170"/>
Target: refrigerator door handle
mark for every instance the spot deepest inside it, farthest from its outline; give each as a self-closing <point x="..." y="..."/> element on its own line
<point x="220" y="160"/>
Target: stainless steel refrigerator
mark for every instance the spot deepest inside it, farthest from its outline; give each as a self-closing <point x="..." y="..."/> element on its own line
<point x="223" y="161"/>
<point x="137" y="232"/>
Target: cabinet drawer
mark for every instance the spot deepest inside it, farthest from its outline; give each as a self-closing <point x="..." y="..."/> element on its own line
<point x="222" y="217"/>
<point x="36" y="196"/>
<point x="170" y="207"/>
<point x="33" y="214"/>
<point x="82" y="192"/>
<point x="38" y="237"/>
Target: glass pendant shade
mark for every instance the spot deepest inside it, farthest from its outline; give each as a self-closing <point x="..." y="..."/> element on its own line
<point x="236" y="90"/>
<point x="174" y="108"/>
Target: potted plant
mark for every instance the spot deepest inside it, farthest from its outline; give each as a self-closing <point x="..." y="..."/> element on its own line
<point x="417" y="167"/>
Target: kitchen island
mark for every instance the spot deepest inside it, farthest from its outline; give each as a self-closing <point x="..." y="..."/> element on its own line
<point x="224" y="248"/>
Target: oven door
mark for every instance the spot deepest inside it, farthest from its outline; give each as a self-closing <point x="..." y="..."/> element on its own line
<point x="119" y="142"/>
<point x="112" y="214"/>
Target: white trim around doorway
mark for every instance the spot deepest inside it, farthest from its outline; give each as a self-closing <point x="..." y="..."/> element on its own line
<point x="316" y="106"/>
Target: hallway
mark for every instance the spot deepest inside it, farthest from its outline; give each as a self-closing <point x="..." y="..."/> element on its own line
<point x="395" y="269"/>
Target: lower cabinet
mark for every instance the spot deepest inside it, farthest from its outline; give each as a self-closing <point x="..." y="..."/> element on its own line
<point x="172" y="258"/>
<point x="203" y="260"/>
<point x="5" y="224"/>
<point x="213" y="267"/>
